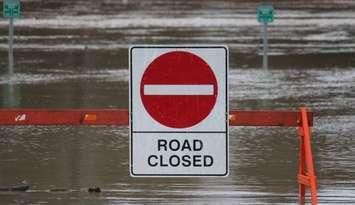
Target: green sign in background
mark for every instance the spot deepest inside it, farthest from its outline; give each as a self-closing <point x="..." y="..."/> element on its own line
<point x="11" y="8"/>
<point x="266" y="14"/>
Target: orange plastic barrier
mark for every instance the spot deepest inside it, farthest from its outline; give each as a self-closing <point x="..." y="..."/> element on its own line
<point x="64" y="117"/>
<point x="306" y="175"/>
<point x="119" y="117"/>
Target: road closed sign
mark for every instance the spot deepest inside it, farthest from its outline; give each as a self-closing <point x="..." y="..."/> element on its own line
<point x="178" y="111"/>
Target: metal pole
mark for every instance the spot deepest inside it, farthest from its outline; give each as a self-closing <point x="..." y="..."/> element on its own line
<point x="11" y="42"/>
<point x="265" y="36"/>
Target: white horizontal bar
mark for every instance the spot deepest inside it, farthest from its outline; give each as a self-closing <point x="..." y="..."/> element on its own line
<point x="182" y="89"/>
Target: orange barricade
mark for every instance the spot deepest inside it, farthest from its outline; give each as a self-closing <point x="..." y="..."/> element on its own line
<point x="119" y="117"/>
<point x="306" y="175"/>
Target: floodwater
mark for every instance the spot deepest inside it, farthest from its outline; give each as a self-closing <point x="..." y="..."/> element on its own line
<point x="73" y="54"/>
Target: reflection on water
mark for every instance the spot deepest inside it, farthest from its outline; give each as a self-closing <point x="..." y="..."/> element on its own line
<point x="12" y="95"/>
<point x="74" y="55"/>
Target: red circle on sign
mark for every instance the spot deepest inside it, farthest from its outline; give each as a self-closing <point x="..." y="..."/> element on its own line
<point x="178" y="89"/>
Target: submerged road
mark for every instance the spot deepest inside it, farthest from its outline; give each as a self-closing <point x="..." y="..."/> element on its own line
<point x="75" y="55"/>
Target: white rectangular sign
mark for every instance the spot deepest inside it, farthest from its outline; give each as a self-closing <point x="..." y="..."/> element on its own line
<point x="178" y="111"/>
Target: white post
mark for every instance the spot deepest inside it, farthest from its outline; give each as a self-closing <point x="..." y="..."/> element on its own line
<point x="11" y="42"/>
<point x="265" y="42"/>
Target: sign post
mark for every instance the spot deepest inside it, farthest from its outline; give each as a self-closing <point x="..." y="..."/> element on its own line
<point x="265" y="16"/>
<point x="11" y="43"/>
<point x="11" y="10"/>
<point x="178" y="111"/>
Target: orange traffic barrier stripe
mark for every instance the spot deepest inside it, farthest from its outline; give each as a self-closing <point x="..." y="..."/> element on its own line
<point x="64" y="117"/>
<point x="120" y="117"/>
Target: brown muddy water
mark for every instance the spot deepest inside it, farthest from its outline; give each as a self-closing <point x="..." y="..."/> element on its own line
<point x="73" y="54"/>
